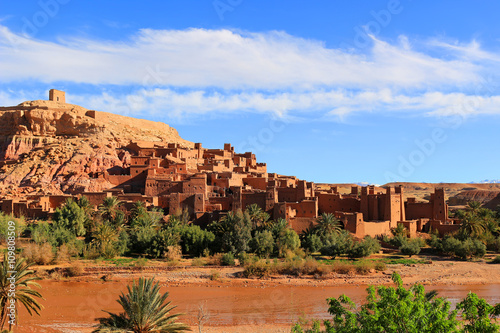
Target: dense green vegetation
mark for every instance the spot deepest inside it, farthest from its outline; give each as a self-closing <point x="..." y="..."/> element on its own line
<point x="412" y="310"/>
<point x="80" y="232"/>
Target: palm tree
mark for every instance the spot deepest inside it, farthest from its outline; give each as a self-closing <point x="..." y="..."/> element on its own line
<point x="23" y="278"/>
<point x="328" y="224"/>
<point x="473" y="206"/>
<point x="471" y="226"/>
<point x="144" y="309"/>
<point x="88" y="208"/>
<point x="258" y="217"/>
<point x="109" y="208"/>
<point x="104" y="238"/>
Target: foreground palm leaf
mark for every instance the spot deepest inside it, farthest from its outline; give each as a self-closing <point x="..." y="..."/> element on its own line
<point x="24" y="279"/>
<point x="145" y="310"/>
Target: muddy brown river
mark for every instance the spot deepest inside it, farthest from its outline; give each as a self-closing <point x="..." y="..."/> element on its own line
<point x="73" y="306"/>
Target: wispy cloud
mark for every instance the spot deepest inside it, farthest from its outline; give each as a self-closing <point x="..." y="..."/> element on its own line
<point x="199" y="71"/>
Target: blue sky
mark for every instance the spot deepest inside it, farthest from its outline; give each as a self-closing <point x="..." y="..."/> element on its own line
<point x="329" y="91"/>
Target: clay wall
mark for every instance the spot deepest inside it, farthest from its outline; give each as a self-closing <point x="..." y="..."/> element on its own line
<point x="280" y="211"/>
<point x="299" y="224"/>
<point x="139" y="160"/>
<point x="196" y="184"/>
<point x="411" y="227"/>
<point x="443" y="228"/>
<point x="249" y="198"/>
<point x="158" y="187"/>
<point x="376" y="228"/>
<point x="57" y="96"/>
<point x="306" y="208"/>
<point x="265" y="200"/>
<point x="225" y="203"/>
<point x="20" y="209"/>
<point x="352" y="222"/>
<point x="259" y="183"/>
<point x="435" y="209"/>
<point x="135" y="197"/>
<point x="290" y="194"/>
<point x="416" y="210"/>
<point x="8" y="206"/>
<point x="136" y="170"/>
<point x="193" y="202"/>
<point x="58" y="200"/>
<point x="164" y="202"/>
<point x="117" y="180"/>
<point x="332" y="202"/>
<point x="96" y="198"/>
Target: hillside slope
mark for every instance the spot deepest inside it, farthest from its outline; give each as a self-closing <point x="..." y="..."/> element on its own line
<point x="48" y="147"/>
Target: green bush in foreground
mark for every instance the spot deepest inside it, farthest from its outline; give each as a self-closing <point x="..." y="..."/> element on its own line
<point x="145" y="309"/>
<point x="397" y="309"/>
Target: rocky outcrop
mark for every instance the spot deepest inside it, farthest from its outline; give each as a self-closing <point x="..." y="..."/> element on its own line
<point x="48" y="147"/>
<point x="464" y="197"/>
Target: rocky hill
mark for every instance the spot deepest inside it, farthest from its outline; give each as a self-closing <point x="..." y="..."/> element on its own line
<point x="49" y="147"/>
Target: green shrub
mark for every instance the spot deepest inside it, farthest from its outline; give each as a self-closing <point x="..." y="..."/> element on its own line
<point x="410" y="248"/>
<point x="232" y="232"/>
<point x="496" y="260"/>
<point x="364" y="267"/>
<point x="227" y="259"/>
<point x="341" y="267"/>
<point x="494" y="245"/>
<point x="259" y="269"/>
<point x="398" y="240"/>
<point x="397" y="309"/>
<point x="214" y="275"/>
<point x="380" y="266"/>
<point x="166" y="237"/>
<point x="195" y="240"/>
<point x="70" y="217"/>
<point x="449" y="245"/>
<point x="76" y="269"/>
<point x="41" y="232"/>
<point x="313" y="243"/>
<point x="337" y="245"/>
<point x="287" y="240"/>
<point x="364" y="248"/>
<point x="5" y="227"/>
<point x="198" y="262"/>
<point x="263" y="243"/>
<point x="299" y="266"/>
<point x="244" y="258"/>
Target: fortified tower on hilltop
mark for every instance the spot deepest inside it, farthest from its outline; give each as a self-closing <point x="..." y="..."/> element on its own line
<point x="57" y="96"/>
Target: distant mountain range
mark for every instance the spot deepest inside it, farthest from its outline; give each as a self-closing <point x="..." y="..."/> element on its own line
<point x="487" y="181"/>
<point x="367" y="184"/>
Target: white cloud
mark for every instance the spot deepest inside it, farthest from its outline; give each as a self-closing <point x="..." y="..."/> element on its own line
<point x="225" y="59"/>
<point x="199" y="71"/>
<point x="169" y="103"/>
